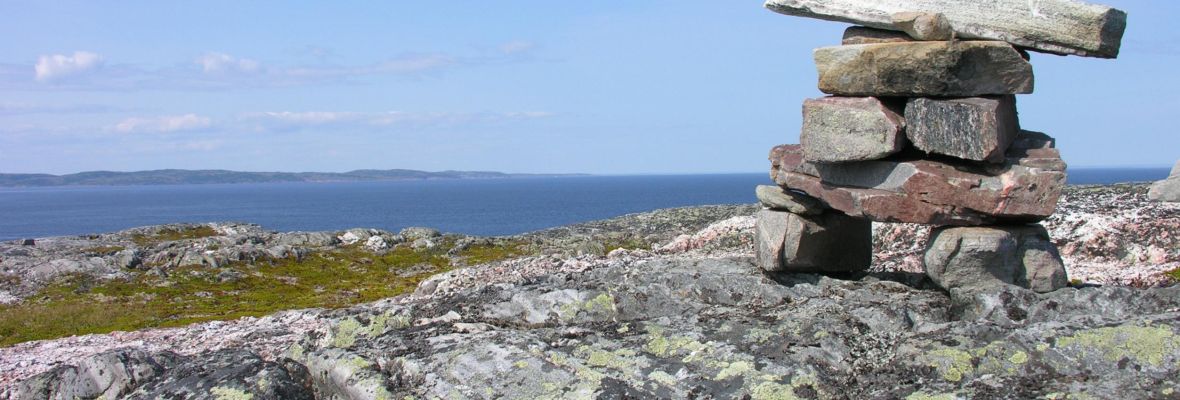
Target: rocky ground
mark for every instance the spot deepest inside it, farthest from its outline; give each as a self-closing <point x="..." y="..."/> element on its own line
<point x="657" y="305"/>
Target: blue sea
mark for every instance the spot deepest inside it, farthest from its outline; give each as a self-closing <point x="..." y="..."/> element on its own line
<point x="474" y="206"/>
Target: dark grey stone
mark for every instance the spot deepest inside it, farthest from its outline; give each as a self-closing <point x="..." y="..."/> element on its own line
<point x="973" y="128"/>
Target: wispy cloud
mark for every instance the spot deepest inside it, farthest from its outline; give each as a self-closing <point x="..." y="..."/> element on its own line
<point x="29" y="108"/>
<point x="218" y="70"/>
<point x="288" y="120"/>
<point x="57" y="66"/>
<point x="163" y="124"/>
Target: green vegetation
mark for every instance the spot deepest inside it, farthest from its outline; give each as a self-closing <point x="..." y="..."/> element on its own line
<point x="103" y="250"/>
<point x="1174" y="274"/>
<point x="77" y="304"/>
<point x="612" y="244"/>
<point x="173" y="234"/>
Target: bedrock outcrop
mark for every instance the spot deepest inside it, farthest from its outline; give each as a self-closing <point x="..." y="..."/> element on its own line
<point x="1168" y="189"/>
<point x="1025" y="188"/>
<point x="1053" y="26"/>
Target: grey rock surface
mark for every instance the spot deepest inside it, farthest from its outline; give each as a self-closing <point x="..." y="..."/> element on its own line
<point x="1053" y="26"/>
<point x="1025" y="188"/>
<point x="845" y="129"/>
<point x="923" y="25"/>
<point x="779" y="199"/>
<point x="107" y="375"/>
<point x="830" y="242"/>
<point x="866" y="35"/>
<point x="992" y="256"/>
<point x="924" y="69"/>
<point x="973" y="128"/>
<point x="1167" y="190"/>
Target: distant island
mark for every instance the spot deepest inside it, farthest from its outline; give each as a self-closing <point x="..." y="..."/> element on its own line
<point x="180" y="177"/>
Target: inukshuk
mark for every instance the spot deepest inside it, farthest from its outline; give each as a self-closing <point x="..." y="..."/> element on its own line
<point x="921" y="127"/>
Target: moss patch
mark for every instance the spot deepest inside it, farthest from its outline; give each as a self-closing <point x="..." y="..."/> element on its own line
<point x="173" y="234"/>
<point x="486" y="253"/>
<point x="77" y="305"/>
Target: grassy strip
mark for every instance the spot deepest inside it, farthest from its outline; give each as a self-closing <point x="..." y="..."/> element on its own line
<point x="78" y="305"/>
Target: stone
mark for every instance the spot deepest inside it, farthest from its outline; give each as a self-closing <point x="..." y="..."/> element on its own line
<point x="1052" y="26"/>
<point x="106" y="375"/>
<point x="1025" y="188"/>
<point x="924" y="26"/>
<point x="989" y="256"/>
<point x="830" y="242"/>
<point x="924" y="69"/>
<point x="1167" y="190"/>
<point x="866" y="35"/>
<point x="973" y="128"/>
<point x="779" y="199"/>
<point x="28" y="242"/>
<point x="842" y="129"/>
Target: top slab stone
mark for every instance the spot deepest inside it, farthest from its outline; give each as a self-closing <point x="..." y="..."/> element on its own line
<point x="1066" y="27"/>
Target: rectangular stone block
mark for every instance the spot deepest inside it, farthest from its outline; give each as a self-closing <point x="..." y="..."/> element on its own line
<point x="924" y="69"/>
<point x="1025" y="188"/>
<point x="1052" y="26"/>
<point x="842" y="129"/>
<point x="973" y="128"/>
<point x="830" y="242"/>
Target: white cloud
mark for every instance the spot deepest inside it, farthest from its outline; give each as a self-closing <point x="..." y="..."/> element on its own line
<point x="55" y="66"/>
<point x="289" y="120"/>
<point x="221" y="62"/>
<point x="163" y="124"/>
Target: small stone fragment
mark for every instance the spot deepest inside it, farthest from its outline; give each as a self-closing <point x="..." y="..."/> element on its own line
<point x="973" y="128"/>
<point x="779" y="199"/>
<point x="978" y="257"/>
<point x="924" y="69"/>
<point x="924" y="26"/>
<point x="1167" y="190"/>
<point x="866" y="35"/>
<point x="842" y="129"/>
<point x="830" y="242"/>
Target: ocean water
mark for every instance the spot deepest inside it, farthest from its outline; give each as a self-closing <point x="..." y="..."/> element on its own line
<point x="475" y="206"/>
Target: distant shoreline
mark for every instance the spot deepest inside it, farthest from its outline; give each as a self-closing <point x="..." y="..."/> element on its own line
<point x="190" y="177"/>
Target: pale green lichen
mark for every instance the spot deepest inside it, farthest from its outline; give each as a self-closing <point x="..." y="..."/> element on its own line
<point x="737" y="368"/>
<point x="664" y="347"/>
<point x="1018" y="358"/>
<point x="603" y="302"/>
<point x="522" y="364"/>
<point x="228" y="393"/>
<point x="1144" y="344"/>
<point x="662" y="378"/>
<point x="344" y="335"/>
<point x="624" y="328"/>
<point x="296" y="352"/>
<point x="1167" y="391"/>
<point x="759" y="335"/>
<point x="926" y="396"/>
<point x="953" y="363"/>
<point x="773" y="391"/>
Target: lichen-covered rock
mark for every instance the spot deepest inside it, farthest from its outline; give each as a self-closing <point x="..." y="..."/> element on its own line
<point x="1054" y="26"/>
<point x="107" y="375"/>
<point x="924" y="69"/>
<point x="228" y="375"/>
<point x="972" y="257"/>
<point x="846" y="129"/>
<point x="972" y="128"/>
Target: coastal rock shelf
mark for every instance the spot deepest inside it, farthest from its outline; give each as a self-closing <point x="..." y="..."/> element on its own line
<point x="923" y="128"/>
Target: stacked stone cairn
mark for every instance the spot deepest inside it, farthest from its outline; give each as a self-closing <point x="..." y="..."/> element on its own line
<point x="921" y="127"/>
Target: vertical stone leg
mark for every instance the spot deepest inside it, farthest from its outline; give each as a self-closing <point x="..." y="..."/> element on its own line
<point x="829" y="242"/>
<point x="985" y="256"/>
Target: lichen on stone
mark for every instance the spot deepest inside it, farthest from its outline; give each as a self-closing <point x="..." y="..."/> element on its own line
<point x="954" y="364"/>
<point x="228" y="393"/>
<point x="1144" y="344"/>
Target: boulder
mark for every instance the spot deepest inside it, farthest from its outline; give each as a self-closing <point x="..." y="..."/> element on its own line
<point x="1052" y="26"/>
<point x="973" y="128"/>
<point x="1167" y="190"/>
<point x="924" y="26"/>
<point x="924" y="69"/>
<point x="829" y="242"/>
<point x="841" y="129"/>
<point x="779" y="199"/>
<point x="989" y="256"/>
<point x="866" y="35"/>
<point x="1025" y="188"/>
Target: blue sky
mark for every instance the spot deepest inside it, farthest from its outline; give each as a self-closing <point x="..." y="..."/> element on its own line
<point x="522" y="86"/>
